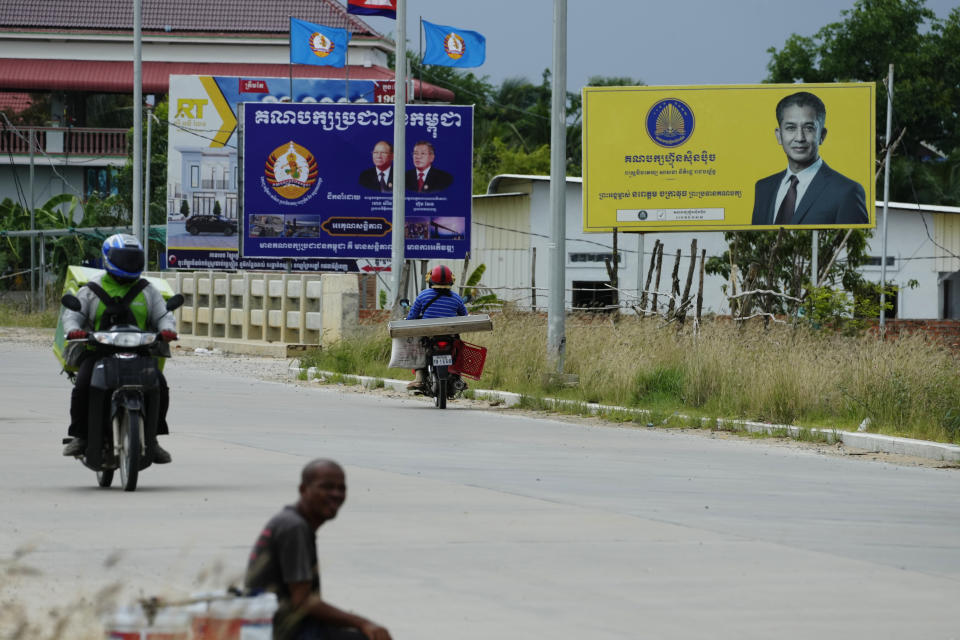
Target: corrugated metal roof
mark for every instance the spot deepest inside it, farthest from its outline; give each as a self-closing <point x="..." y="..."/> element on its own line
<point x="216" y="16"/>
<point x="112" y="76"/>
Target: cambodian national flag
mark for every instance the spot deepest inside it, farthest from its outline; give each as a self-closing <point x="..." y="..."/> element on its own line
<point x="385" y="8"/>
<point x="452" y="47"/>
<point x="316" y="44"/>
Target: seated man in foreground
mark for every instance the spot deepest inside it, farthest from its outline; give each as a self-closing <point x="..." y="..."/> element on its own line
<point x="284" y="561"/>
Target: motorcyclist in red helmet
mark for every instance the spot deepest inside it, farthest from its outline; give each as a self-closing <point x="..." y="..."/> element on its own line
<point x="436" y="301"/>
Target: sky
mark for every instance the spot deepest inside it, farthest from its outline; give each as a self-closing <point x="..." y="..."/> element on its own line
<point x="659" y="43"/>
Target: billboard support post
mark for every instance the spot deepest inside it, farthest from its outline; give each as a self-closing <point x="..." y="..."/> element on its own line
<point x="556" y="340"/>
<point x="886" y="203"/>
<point x="399" y="156"/>
<point x="815" y="258"/>
<point x="639" y="265"/>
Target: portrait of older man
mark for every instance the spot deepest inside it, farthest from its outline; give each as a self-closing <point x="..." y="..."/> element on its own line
<point x="379" y="177"/>
<point x="424" y="177"/>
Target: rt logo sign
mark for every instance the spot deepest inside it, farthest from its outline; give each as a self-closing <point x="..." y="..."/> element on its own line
<point x="190" y="108"/>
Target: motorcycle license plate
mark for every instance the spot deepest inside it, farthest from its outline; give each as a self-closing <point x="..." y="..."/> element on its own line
<point x="441" y="361"/>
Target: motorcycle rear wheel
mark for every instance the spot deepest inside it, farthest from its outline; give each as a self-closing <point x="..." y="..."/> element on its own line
<point x="440" y="400"/>
<point x="105" y="478"/>
<point x="129" y="429"/>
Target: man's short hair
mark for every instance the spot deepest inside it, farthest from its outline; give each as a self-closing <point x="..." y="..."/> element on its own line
<point x="803" y="99"/>
<point x="306" y="475"/>
<point x="386" y="143"/>
<point x="426" y="143"/>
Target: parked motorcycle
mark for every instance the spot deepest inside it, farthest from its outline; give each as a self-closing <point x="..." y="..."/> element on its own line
<point x="127" y="378"/>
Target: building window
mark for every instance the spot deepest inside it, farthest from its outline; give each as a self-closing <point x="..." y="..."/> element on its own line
<point x="592" y="296"/>
<point x="194" y="176"/>
<point x="874" y="261"/>
<point x="203" y="203"/>
<point x="601" y="258"/>
<point x="100" y="181"/>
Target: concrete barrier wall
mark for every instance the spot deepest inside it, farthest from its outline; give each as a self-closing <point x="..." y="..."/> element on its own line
<point x="290" y="308"/>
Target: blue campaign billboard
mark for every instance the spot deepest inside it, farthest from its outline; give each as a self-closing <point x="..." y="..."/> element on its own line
<point x="203" y="225"/>
<point x="317" y="181"/>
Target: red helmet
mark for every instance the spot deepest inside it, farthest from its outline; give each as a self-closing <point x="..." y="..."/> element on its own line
<point x="440" y="276"/>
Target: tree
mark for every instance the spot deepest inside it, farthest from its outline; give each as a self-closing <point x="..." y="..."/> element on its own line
<point x="872" y="35"/>
<point x="859" y="48"/>
<point x="781" y="261"/>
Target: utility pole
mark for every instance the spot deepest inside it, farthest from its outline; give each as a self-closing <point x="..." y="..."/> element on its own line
<point x="135" y="211"/>
<point x="886" y="203"/>
<point x="399" y="153"/>
<point x="556" y="321"/>
<point x="33" y="227"/>
<point x="146" y="188"/>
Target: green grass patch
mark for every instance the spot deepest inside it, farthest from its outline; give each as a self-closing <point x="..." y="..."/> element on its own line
<point x="15" y="315"/>
<point x="781" y="375"/>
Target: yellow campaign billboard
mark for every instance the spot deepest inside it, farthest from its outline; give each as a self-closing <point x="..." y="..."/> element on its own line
<point x="733" y="157"/>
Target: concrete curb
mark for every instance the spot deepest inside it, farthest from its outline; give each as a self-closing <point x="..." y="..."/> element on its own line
<point x="872" y="442"/>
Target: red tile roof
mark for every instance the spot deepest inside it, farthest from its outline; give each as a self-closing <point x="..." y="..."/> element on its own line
<point x="117" y="77"/>
<point x="14" y="102"/>
<point x="177" y="16"/>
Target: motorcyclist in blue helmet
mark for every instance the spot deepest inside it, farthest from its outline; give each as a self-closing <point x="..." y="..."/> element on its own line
<point x="123" y="261"/>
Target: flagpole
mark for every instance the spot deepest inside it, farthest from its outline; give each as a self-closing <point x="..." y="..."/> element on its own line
<point x="291" y="58"/>
<point x="420" y="59"/>
<point x="346" y="65"/>
<point x="399" y="153"/>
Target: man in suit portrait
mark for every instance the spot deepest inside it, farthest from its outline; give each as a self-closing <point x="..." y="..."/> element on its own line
<point x="424" y="177"/>
<point x="379" y="177"/>
<point x="808" y="192"/>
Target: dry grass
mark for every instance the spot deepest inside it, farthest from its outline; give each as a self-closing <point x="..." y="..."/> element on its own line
<point x="17" y="315"/>
<point x="908" y="387"/>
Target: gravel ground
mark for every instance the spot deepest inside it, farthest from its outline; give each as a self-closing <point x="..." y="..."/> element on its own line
<point x="277" y="369"/>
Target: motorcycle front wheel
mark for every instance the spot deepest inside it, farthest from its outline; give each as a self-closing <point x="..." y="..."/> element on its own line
<point x="129" y="429"/>
<point x="105" y="478"/>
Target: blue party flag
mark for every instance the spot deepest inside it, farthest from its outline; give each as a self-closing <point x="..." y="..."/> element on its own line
<point x="452" y="47"/>
<point x="316" y="44"/>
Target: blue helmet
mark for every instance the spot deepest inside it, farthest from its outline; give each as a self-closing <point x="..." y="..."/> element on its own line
<point x="123" y="256"/>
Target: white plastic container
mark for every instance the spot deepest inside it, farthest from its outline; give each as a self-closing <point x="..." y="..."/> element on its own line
<point x="258" y="617"/>
<point x="225" y="619"/>
<point x="199" y="616"/>
<point x="125" y="623"/>
<point x="170" y="623"/>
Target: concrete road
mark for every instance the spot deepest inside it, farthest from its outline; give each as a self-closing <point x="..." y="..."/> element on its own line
<point x="476" y="524"/>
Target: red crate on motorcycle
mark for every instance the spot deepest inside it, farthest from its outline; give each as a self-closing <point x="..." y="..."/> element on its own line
<point x="469" y="361"/>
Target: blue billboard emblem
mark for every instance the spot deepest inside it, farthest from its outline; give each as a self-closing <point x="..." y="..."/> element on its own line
<point x="670" y="122"/>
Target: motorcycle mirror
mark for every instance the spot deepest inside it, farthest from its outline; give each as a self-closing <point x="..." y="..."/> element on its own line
<point x="404" y="303"/>
<point x="175" y="302"/>
<point x="71" y="302"/>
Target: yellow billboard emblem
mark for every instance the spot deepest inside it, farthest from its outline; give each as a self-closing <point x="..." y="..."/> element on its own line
<point x="291" y="170"/>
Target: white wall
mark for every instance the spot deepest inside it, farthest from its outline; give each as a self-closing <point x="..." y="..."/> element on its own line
<point x="913" y="253"/>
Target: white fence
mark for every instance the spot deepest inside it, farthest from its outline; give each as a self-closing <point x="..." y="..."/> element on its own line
<point x="291" y="308"/>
